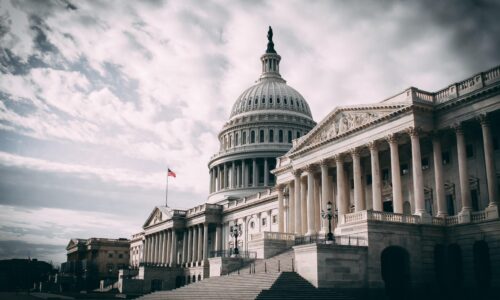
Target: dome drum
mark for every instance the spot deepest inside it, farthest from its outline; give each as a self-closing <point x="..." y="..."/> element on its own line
<point x="264" y="121"/>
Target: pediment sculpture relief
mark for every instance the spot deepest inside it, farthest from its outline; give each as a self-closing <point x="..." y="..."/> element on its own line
<point x="157" y="217"/>
<point x="345" y="121"/>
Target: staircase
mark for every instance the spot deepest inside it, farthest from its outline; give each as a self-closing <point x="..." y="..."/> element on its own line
<point x="272" y="278"/>
<point x="274" y="285"/>
<point x="220" y="288"/>
<point x="278" y="263"/>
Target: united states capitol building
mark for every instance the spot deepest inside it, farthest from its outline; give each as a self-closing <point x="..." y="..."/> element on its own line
<point x="410" y="182"/>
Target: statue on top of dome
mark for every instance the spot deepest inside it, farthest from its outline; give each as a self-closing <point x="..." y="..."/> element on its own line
<point x="270" y="44"/>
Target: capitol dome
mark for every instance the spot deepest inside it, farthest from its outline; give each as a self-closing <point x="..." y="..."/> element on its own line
<point x="269" y="94"/>
<point x="264" y="121"/>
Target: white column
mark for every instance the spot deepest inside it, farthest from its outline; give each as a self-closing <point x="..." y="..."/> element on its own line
<point x="162" y="247"/>
<point x="168" y="245"/>
<point x="438" y="176"/>
<point x="462" y="170"/>
<point x="195" y="244"/>
<point x="342" y="192"/>
<point x="376" y="182"/>
<point x="310" y="199"/>
<point x="233" y="175"/>
<point x="205" y="241"/>
<point x="325" y="193"/>
<point x="266" y="172"/>
<point x="184" y="246"/>
<point x="200" y="242"/>
<point x="418" y="178"/>
<point x="291" y="207"/>
<point x="397" y="194"/>
<point x="244" y="173"/>
<point x="489" y="162"/>
<point x="281" y="215"/>
<point x="224" y="176"/>
<point x="173" y="248"/>
<point x="189" y="257"/>
<point x="155" y="249"/>
<point x="211" y="182"/>
<point x="303" y="199"/>
<point x="317" y="203"/>
<point x="255" y="173"/>
<point x="358" y="187"/>
<point x="147" y="248"/>
<point x="218" y="237"/>
<point x="298" y="205"/>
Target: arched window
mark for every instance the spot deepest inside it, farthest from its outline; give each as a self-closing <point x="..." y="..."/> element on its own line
<point x="230" y="141"/>
<point x="249" y="102"/>
<point x="271" y="136"/>
<point x="263" y="100"/>
<point x="252" y="137"/>
<point x="236" y="139"/>
<point x="298" y="134"/>
<point x="261" y="136"/>
<point x="289" y="136"/>
<point x="291" y="101"/>
<point x="278" y="100"/>
<point x="280" y="136"/>
<point x="244" y="138"/>
<point x="270" y="100"/>
<point x="285" y="101"/>
<point x="256" y="101"/>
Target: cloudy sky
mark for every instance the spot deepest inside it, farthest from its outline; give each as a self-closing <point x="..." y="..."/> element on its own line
<point x="99" y="97"/>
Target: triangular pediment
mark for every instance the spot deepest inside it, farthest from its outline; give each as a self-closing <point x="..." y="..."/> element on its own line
<point x="158" y="215"/>
<point x="74" y="242"/>
<point x="344" y="120"/>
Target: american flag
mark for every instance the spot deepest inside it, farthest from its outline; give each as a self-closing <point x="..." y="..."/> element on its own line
<point x="171" y="173"/>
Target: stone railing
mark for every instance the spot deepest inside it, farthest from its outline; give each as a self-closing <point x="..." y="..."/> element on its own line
<point x="268" y="235"/>
<point x="452" y="220"/>
<point x="450" y="92"/>
<point x="478" y="216"/>
<point x="475" y="217"/>
<point x="379" y="216"/>
<point x="202" y="208"/>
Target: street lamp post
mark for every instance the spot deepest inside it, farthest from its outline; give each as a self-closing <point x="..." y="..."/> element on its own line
<point x="328" y="214"/>
<point x="235" y="231"/>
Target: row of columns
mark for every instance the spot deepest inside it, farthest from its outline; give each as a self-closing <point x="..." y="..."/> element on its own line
<point x="232" y="175"/>
<point x="302" y="205"/>
<point x="161" y="247"/>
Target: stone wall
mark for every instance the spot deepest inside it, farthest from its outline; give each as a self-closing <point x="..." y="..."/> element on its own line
<point x="332" y="266"/>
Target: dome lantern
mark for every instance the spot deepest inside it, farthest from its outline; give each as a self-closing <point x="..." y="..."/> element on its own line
<point x="270" y="60"/>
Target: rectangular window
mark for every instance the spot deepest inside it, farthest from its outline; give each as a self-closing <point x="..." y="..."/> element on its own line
<point x="446" y="157"/>
<point x="110" y="255"/>
<point x="275" y="219"/>
<point x="120" y="255"/>
<point x="469" y="150"/>
<point x="236" y="139"/>
<point x="271" y="136"/>
<point x="261" y="136"/>
<point x="264" y="221"/>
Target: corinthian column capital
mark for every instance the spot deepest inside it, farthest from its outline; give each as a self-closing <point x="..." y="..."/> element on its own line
<point x="414" y="131"/>
<point x="392" y="138"/>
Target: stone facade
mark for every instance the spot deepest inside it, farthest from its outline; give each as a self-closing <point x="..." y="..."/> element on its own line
<point x="412" y="179"/>
<point x="91" y="260"/>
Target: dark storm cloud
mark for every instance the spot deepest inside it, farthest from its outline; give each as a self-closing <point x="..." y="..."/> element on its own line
<point x="475" y="25"/>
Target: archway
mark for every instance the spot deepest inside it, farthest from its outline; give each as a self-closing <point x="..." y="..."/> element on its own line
<point x="395" y="265"/>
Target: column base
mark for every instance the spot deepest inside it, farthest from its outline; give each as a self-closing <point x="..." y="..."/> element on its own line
<point x="425" y="218"/>
<point x="442" y="215"/>
<point x="464" y="216"/>
<point x="492" y="211"/>
<point x="310" y="233"/>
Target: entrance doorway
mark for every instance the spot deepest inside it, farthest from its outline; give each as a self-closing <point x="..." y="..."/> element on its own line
<point x="395" y="263"/>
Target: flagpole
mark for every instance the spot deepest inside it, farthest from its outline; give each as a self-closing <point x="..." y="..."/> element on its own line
<point x="166" y="193"/>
